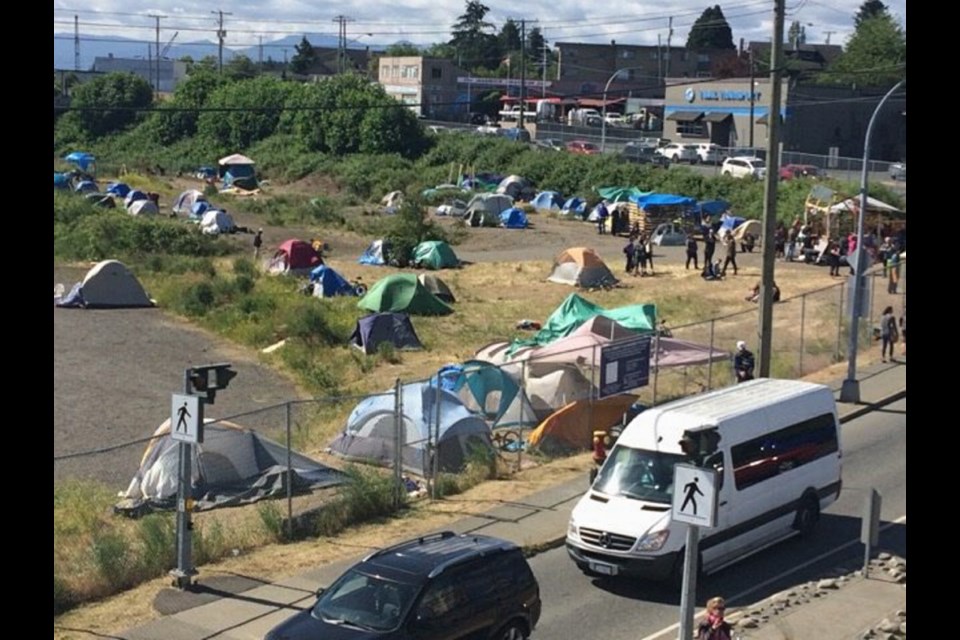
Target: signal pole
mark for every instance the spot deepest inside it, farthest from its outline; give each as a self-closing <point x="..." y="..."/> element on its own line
<point x="342" y="42"/>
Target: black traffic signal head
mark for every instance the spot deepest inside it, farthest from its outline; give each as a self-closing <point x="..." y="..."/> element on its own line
<point x="206" y="380"/>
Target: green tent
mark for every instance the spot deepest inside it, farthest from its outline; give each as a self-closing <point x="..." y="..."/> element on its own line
<point x="435" y="254"/>
<point x="620" y="194"/>
<point x="403" y="292"/>
<point x="574" y="311"/>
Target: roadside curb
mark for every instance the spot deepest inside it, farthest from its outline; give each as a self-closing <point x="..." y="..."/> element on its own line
<point x="865" y="408"/>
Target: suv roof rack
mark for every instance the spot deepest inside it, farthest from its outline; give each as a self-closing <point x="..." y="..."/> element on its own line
<point x="442" y="535"/>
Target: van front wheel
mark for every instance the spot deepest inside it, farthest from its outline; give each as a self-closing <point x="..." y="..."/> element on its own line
<point x="807" y="516"/>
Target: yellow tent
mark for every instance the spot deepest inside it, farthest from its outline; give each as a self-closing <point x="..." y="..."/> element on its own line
<point x="572" y="426"/>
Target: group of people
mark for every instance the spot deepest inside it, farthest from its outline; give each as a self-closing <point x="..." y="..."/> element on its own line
<point x="639" y="254"/>
<point x="713" y="270"/>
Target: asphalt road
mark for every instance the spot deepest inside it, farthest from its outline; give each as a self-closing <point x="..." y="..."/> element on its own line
<point x="576" y="606"/>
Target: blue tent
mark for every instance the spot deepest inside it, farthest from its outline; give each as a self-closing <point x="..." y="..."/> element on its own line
<point x="119" y="189"/>
<point x="80" y="158"/>
<point x="371" y="431"/>
<point x="513" y="218"/>
<point x="61" y="180"/>
<point x="375" y="254"/>
<point x="328" y="283"/>
<point x="86" y="186"/>
<point x="574" y="207"/>
<point x="132" y="196"/>
<point x="548" y="200"/>
<point x="731" y="222"/>
<point x="390" y="328"/>
<point x="199" y="208"/>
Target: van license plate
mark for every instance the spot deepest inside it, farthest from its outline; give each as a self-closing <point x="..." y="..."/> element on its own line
<point x="605" y="569"/>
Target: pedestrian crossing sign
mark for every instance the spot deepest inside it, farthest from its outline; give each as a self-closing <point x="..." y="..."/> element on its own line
<point x="185" y="417"/>
<point x="694" y="495"/>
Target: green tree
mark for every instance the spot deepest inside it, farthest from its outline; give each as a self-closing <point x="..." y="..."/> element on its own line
<point x="796" y="34"/>
<point x="177" y="118"/>
<point x="206" y="63"/>
<point x="401" y="49"/>
<point x="347" y="114"/>
<point x="870" y="9"/>
<point x="711" y="31"/>
<point x="509" y="38"/>
<point x="875" y="55"/>
<point x="304" y="58"/>
<point x="241" y="113"/>
<point x="110" y="103"/>
<point x="472" y="38"/>
<point x="240" y="67"/>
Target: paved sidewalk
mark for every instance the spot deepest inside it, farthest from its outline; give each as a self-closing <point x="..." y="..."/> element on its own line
<point x="234" y="608"/>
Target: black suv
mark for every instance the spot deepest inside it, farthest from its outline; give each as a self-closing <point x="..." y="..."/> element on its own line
<point x="439" y="587"/>
<point x="642" y="154"/>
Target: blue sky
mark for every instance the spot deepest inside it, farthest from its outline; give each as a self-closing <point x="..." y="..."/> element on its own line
<point x="249" y="23"/>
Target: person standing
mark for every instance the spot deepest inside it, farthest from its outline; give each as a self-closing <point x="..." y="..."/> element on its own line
<point x="892" y="266"/>
<point x="257" y="243"/>
<point x="602" y="215"/>
<point x="648" y="250"/>
<point x="630" y="251"/>
<point x="713" y="626"/>
<point x="730" y="244"/>
<point x="833" y="258"/>
<point x="743" y="362"/>
<point x="692" y="251"/>
<point x="640" y="258"/>
<point x="889" y="334"/>
<point x="792" y="243"/>
<point x="709" y="245"/>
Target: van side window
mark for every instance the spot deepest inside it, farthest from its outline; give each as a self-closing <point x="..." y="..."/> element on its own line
<point x="780" y="451"/>
<point x="715" y="461"/>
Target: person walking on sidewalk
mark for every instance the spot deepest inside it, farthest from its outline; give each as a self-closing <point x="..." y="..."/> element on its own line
<point x="713" y="626"/>
<point x="889" y="334"/>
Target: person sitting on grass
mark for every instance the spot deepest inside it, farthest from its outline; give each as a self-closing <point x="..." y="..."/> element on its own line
<point x="754" y="295"/>
<point x="712" y="271"/>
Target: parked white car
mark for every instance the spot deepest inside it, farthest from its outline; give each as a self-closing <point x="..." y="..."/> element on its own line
<point x="709" y="153"/>
<point x="677" y="152"/>
<point x="744" y="167"/>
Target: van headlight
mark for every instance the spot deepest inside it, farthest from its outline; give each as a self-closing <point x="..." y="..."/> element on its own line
<point x="653" y="541"/>
<point x="572" y="528"/>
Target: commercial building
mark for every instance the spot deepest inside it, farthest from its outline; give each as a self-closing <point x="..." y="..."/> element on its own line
<point x="427" y="85"/>
<point x="169" y="72"/>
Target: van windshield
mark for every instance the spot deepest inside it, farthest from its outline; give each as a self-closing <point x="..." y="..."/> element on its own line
<point x="639" y="474"/>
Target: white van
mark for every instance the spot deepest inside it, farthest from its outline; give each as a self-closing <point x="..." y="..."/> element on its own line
<point x="778" y="459"/>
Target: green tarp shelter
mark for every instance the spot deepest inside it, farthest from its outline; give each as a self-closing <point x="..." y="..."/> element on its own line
<point x="435" y="254"/>
<point x="620" y="194"/>
<point x="574" y="311"/>
<point x="402" y="292"/>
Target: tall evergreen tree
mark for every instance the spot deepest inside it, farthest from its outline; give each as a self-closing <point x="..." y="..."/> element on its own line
<point x="509" y="38"/>
<point x="870" y="9"/>
<point x="875" y="55"/>
<point x="472" y="38"/>
<point x="711" y="31"/>
<point x="304" y="57"/>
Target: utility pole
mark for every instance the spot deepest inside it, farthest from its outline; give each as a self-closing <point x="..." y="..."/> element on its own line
<point x="829" y="33"/>
<point x="156" y="86"/>
<point x="76" y="43"/>
<point x="543" y="89"/>
<point x="342" y="42"/>
<point x="669" y="38"/>
<point x="752" y="94"/>
<point x="260" y="55"/>
<point x="770" y="192"/>
<point x="523" y="69"/>
<point x="221" y="36"/>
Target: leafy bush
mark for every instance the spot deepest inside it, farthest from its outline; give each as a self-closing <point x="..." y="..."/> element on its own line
<point x="408" y="228"/>
<point x="113" y="557"/>
<point x="209" y="542"/>
<point x="158" y="535"/>
<point x="271" y="515"/>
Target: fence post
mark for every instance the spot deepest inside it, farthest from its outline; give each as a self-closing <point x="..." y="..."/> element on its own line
<point x="289" y="477"/>
<point x="398" y="442"/>
<point x="803" y="317"/>
<point x="656" y="367"/>
<point x="710" y="364"/>
<point x="840" y="322"/>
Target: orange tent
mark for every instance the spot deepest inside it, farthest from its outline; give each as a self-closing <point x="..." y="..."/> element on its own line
<point x="581" y="267"/>
<point x="572" y="426"/>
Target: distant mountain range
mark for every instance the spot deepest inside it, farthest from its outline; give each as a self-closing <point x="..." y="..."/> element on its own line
<point x="98" y="46"/>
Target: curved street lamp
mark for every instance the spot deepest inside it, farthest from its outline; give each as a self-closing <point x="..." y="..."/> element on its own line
<point x="606" y="88"/>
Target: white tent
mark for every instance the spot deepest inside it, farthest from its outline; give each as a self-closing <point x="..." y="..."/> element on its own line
<point x="143" y="208"/>
<point x="549" y="392"/>
<point x="392" y="200"/>
<point x="235" y="159"/>
<point x="107" y="284"/>
<point x="216" y="221"/>
<point x="853" y="204"/>
<point x="186" y="200"/>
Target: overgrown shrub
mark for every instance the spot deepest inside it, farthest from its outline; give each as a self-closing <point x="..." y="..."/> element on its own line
<point x="113" y="557"/>
<point x="209" y="542"/>
<point x="271" y="515"/>
<point x="157" y="533"/>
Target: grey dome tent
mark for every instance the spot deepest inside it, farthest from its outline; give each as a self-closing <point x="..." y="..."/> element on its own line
<point x="437" y="287"/>
<point x="108" y="284"/>
<point x="371" y="430"/>
<point x="385" y="328"/>
<point x="231" y="466"/>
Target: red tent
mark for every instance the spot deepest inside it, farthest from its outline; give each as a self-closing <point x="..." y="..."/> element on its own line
<point x="298" y="254"/>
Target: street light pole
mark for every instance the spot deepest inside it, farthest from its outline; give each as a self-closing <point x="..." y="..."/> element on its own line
<point x="606" y="88"/>
<point x="850" y="391"/>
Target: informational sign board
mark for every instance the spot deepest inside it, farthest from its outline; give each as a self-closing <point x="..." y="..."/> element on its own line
<point x="624" y="365"/>
<point x="695" y="495"/>
<point x="185" y="417"/>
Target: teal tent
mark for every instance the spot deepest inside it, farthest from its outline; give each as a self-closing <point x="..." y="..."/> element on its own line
<point x="620" y="194"/>
<point x="494" y="393"/>
<point x="574" y="311"/>
<point x="435" y="254"/>
<point x="403" y="292"/>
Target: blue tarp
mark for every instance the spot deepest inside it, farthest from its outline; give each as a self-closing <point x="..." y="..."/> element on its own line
<point x="80" y="158"/>
<point x="713" y="207"/>
<point x="513" y="218"/>
<point x="731" y="222"/>
<point x="662" y="200"/>
<point x="331" y="283"/>
<point x="61" y="180"/>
